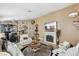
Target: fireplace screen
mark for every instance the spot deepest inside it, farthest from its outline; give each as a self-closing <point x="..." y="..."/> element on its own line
<point x="49" y="38"/>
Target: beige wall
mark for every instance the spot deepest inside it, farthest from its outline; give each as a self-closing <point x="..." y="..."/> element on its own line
<point x="64" y="22"/>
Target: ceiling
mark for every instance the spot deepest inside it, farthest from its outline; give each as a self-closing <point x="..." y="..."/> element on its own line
<point x="27" y="11"/>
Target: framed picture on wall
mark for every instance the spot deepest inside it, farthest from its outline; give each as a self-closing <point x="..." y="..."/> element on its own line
<point x="50" y="27"/>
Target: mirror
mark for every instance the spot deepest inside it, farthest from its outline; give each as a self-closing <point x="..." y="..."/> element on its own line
<point x="50" y="27"/>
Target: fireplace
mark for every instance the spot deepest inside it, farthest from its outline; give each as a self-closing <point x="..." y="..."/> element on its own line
<point x="50" y="38"/>
<point x="50" y="33"/>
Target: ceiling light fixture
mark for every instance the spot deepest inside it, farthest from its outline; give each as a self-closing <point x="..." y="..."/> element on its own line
<point x="29" y="11"/>
<point x="75" y="22"/>
<point x="73" y="14"/>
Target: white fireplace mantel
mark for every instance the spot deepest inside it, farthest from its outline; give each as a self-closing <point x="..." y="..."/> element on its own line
<point x="52" y="34"/>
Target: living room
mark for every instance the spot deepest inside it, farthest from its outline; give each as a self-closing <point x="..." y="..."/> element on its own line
<point x="50" y="30"/>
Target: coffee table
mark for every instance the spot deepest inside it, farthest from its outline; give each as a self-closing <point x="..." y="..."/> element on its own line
<point x="35" y="45"/>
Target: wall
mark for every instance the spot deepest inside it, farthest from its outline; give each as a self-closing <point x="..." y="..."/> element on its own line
<point x="64" y="23"/>
<point x="20" y="25"/>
